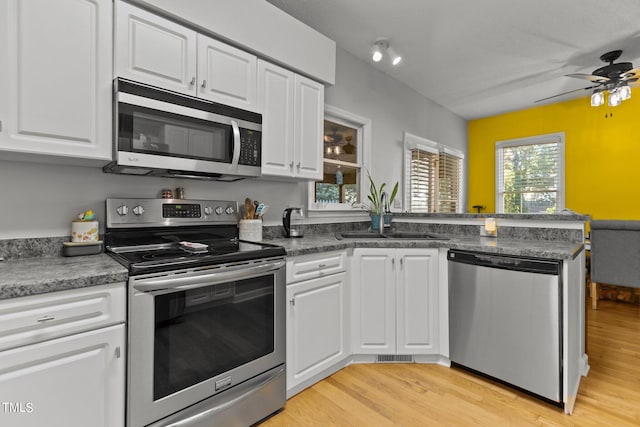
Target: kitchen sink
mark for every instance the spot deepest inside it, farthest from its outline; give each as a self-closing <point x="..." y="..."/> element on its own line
<point x="415" y="235"/>
<point x="389" y="235"/>
<point x="360" y="235"/>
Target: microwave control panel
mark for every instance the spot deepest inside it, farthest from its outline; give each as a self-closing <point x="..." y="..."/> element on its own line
<point x="250" y="154"/>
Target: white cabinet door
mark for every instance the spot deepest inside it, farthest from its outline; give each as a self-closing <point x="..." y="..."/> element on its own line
<point x="75" y="381"/>
<point x="292" y="108"/>
<point x="416" y="301"/>
<point x="395" y="301"/>
<point x="55" y="77"/>
<point x="317" y="332"/>
<point x="373" y="304"/>
<point x="154" y="50"/>
<point x="275" y="103"/>
<point x="308" y="128"/>
<point x="226" y="75"/>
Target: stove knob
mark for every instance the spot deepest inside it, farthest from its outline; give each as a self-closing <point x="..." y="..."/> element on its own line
<point x="219" y="210"/>
<point x="208" y="210"/>
<point x="122" y="210"/>
<point x="138" y="210"/>
<point x="229" y="210"/>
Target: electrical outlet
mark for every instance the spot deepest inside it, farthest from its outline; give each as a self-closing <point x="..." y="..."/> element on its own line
<point x="397" y="204"/>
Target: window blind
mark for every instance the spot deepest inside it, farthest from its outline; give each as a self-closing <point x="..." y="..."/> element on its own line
<point x="449" y="182"/>
<point x="530" y="177"/>
<point x="423" y="180"/>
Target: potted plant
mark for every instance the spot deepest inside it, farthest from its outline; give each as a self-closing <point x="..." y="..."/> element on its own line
<point x="375" y="202"/>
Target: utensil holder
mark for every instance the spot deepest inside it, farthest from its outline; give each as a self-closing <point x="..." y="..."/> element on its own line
<point x="250" y="230"/>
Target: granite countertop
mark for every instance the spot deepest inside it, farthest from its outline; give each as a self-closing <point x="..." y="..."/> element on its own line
<point x="33" y="276"/>
<point x="566" y="215"/>
<point x="528" y="248"/>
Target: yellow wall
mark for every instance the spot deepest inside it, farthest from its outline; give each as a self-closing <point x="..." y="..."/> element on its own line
<point x="602" y="154"/>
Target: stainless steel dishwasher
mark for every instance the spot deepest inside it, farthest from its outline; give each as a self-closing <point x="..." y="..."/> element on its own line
<point x="505" y="320"/>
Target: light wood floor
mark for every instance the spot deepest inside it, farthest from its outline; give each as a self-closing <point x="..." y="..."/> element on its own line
<point x="430" y="395"/>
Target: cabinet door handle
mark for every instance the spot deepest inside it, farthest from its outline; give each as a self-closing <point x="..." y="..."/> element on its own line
<point x="292" y="301"/>
<point x="118" y="352"/>
<point x="322" y="265"/>
<point x="401" y="262"/>
<point x="298" y="165"/>
<point x="45" y="319"/>
<point x="204" y="84"/>
<point x="291" y="165"/>
<point x="193" y="81"/>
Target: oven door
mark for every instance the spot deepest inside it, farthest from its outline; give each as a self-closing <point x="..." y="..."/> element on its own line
<point x="196" y="333"/>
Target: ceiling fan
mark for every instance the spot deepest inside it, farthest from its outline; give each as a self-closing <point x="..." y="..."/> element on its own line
<point x="614" y="78"/>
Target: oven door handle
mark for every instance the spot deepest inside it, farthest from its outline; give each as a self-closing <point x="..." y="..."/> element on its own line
<point x="202" y="280"/>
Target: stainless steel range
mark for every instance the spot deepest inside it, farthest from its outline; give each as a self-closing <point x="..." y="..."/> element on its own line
<point x="206" y="326"/>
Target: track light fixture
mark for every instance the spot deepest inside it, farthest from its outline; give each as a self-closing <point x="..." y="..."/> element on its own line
<point x="380" y="47"/>
<point x="395" y="58"/>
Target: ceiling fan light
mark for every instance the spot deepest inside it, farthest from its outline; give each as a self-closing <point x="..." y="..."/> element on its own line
<point x="597" y="99"/>
<point x="625" y="92"/>
<point x="614" y="98"/>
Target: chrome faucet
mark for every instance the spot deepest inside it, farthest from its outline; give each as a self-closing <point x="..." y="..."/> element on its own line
<point x="383" y="198"/>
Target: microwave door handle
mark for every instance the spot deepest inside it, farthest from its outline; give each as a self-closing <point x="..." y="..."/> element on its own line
<point x="236" y="144"/>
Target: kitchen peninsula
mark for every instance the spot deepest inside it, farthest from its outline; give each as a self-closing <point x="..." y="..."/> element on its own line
<point x="370" y="270"/>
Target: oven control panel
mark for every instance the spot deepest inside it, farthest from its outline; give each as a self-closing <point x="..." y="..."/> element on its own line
<point x="182" y="210"/>
<point x="123" y="213"/>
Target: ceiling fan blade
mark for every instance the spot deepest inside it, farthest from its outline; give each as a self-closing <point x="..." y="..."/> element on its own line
<point x="630" y="74"/>
<point x="566" y="93"/>
<point x="590" y="77"/>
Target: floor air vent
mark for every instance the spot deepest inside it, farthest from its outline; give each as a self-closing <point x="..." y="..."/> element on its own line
<point x="394" y="358"/>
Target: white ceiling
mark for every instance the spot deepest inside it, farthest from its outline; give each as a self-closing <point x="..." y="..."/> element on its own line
<point x="479" y="58"/>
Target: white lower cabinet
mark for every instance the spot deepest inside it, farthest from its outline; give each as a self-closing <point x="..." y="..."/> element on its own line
<point x="395" y="301"/>
<point x="75" y="380"/>
<point x="317" y="319"/>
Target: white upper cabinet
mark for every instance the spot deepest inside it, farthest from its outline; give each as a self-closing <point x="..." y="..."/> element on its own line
<point x="55" y="78"/>
<point x="226" y="75"/>
<point x="154" y="50"/>
<point x="308" y="128"/>
<point x="275" y="103"/>
<point x="292" y="108"/>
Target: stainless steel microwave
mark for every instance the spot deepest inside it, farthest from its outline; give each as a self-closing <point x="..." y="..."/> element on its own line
<point x="162" y="133"/>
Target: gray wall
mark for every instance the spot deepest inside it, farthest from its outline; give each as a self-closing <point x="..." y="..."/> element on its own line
<point x="392" y="108"/>
<point x="40" y="200"/>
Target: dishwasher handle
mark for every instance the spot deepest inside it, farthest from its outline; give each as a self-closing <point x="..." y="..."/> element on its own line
<point x="505" y="262"/>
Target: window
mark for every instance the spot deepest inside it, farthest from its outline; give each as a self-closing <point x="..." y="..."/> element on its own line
<point x="345" y="139"/>
<point x="530" y="174"/>
<point x="433" y="181"/>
